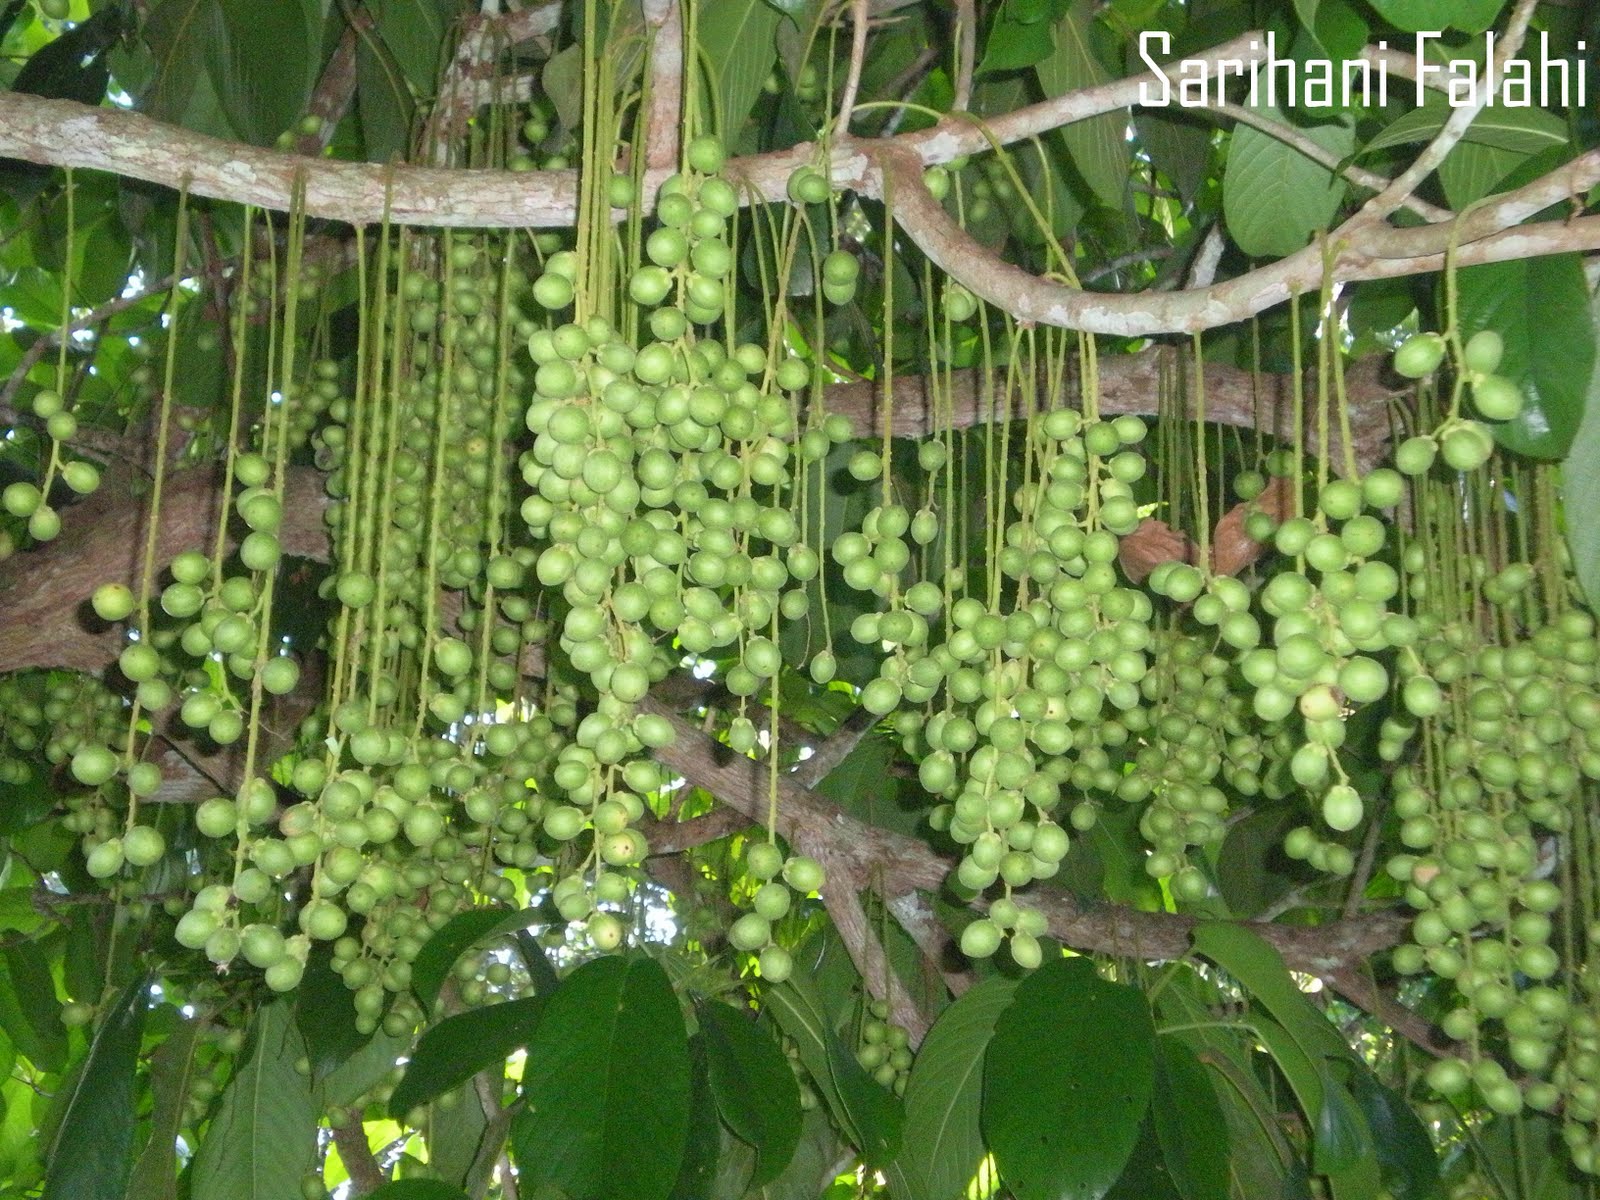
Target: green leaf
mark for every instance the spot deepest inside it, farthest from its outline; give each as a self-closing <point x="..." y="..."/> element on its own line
<point x="1098" y="146"/>
<point x="262" y="60"/>
<point x="325" y="1014"/>
<point x="869" y="1116"/>
<point x="417" y="1189"/>
<point x="1580" y="487"/>
<point x="739" y="44"/>
<point x="1189" y="1124"/>
<point x="455" y="1135"/>
<point x="1414" y="16"/>
<point x="1341" y="1139"/>
<point x="264" y="1134"/>
<point x="1060" y="1114"/>
<point x="30" y="1014"/>
<point x="1406" y="1158"/>
<point x="606" y="1085"/>
<point x="754" y="1088"/>
<point x="1274" y="198"/>
<point x="1337" y="28"/>
<point x="358" y="1074"/>
<point x="93" y="1150"/>
<point x="458" y="1047"/>
<point x="1519" y="130"/>
<point x="943" y="1142"/>
<point x="155" y="1175"/>
<point x="460" y="933"/>
<point x="1540" y="306"/>
<point x="413" y="32"/>
<point x="702" y="1151"/>
<point x="1259" y="969"/>
<point x="1014" y="45"/>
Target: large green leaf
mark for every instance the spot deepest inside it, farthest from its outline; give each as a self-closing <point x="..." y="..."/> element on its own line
<point x="1540" y="306"/>
<point x="417" y="1189"/>
<point x="93" y="1151"/>
<point x="455" y="1134"/>
<point x="1061" y="1114"/>
<point x="263" y="60"/>
<point x="264" y="1134"/>
<point x="1099" y="146"/>
<point x="606" y="1086"/>
<point x="1274" y="198"/>
<point x="358" y="1074"/>
<point x="30" y="1014"/>
<point x="738" y="39"/>
<point x="869" y="1116"/>
<point x="1189" y="1124"/>
<point x="702" y="1150"/>
<point x="155" y="1175"/>
<point x="943" y="1142"/>
<point x="1580" y="487"/>
<point x="1414" y="16"/>
<point x="458" y="1047"/>
<point x="753" y="1086"/>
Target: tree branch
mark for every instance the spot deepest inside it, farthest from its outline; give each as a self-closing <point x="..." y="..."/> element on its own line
<point x="365" y="1175"/>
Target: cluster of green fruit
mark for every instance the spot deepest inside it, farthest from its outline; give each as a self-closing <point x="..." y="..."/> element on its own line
<point x="1464" y="444"/>
<point x="30" y="501"/>
<point x="885" y="1048"/>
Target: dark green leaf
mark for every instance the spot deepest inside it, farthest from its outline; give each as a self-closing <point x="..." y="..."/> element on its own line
<point x="358" y="1074"/>
<point x="1259" y="969"/>
<point x="455" y="1135"/>
<point x="1050" y="1079"/>
<point x="1274" y="198"/>
<point x="1580" y="487"/>
<point x="1521" y="131"/>
<point x="607" y="1085"/>
<point x="1341" y="1139"/>
<point x="325" y="1014"/>
<point x="702" y="1150"/>
<point x="25" y="804"/>
<point x="1406" y="1157"/>
<point x="1413" y="16"/>
<point x="458" y="1047"/>
<point x="73" y="66"/>
<point x="943" y="1141"/>
<point x="754" y="1088"/>
<point x="869" y="1116"/>
<point x="413" y="33"/>
<point x="1146" y="1177"/>
<point x="1189" y="1124"/>
<point x="264" y="1134"/>
<point x="93" y="1151"/>
<point x="1013" y="45"/>
<point x="463" y="931"/>
<point x="155" y="1175"/>
<point x="30" y="1014"/>
<point x="1099" y="145"/>
<point x="262" y="60"/>
<point x="1540" y="306"/>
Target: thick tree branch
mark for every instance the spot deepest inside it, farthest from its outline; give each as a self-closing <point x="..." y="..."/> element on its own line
<point x="61" y="133"/>
<point x="365" y="1175"/>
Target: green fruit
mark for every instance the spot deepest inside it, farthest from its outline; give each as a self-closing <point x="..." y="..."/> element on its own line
<point x="1415" y="455"/>
<point x="1483" y="352"/>
<point x="1419" y="355"/>
<point x="706" y="154"/>
<point x="93" y="765"/>
<point x="981" y="938"/>
<point x="1342" y="808"/>
<point x="804" y="874"/>
<point x="105" y="860"/>
<point x="21" y="499"/>
<point x="143" y="846"/>
<point x="1496" y="398"/>
<point x="763" y="860"/>
<point x="112" y="602"/>
<point x="776" y="963"/>
<point x="1467" y="446"/>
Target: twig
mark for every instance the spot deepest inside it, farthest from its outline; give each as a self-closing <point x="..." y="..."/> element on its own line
<point x="337" y="86"/>
<point x="665" y="22"/>
<point x="1204" y="271"/>
<point x="966" y="53"/>
<point x="835" y="749"/>
<point x="49" y="341"/>
<point x="1354" y="986"/>
<point x="858" y="55"/>
<point x="1456" y="124"/>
